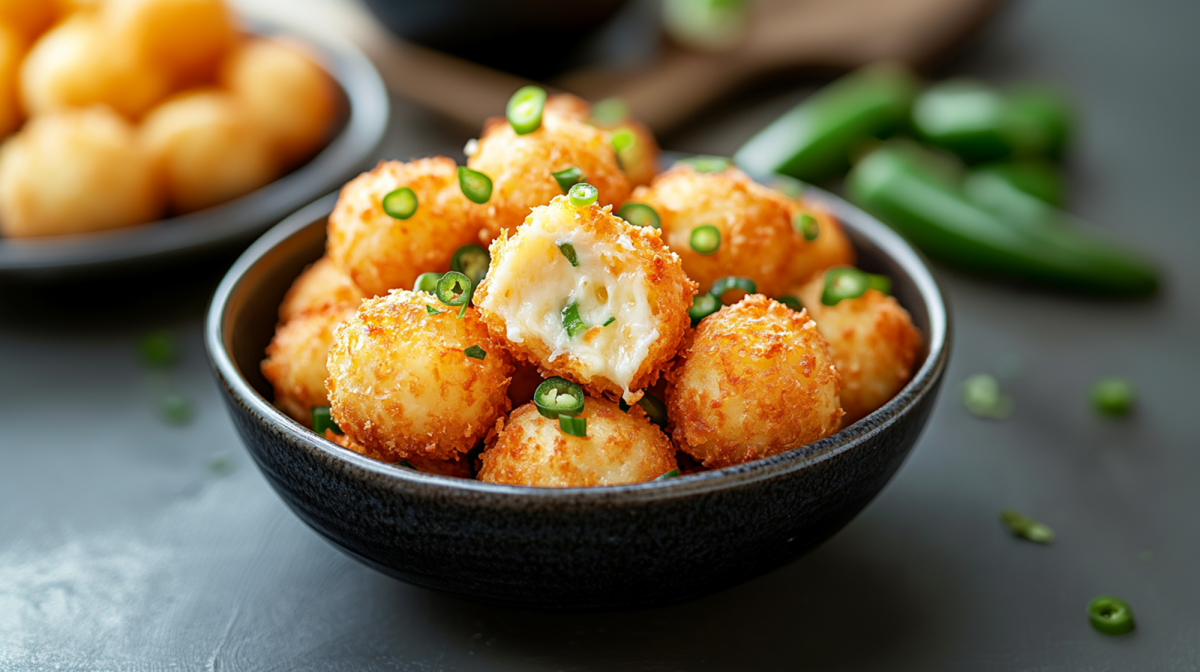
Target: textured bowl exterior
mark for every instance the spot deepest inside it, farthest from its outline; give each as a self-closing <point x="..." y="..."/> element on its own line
<point x="575" y="548"/>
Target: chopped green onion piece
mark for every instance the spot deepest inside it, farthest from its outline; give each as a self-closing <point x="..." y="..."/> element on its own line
<point x="1025" y="527"/>
<point x="406" y="464"/>
<point x="573" y="426"/>
<point x="807" y="225"/>
<point x="842" y="283"/>
<point x="705" y="239"/>
<point x="572" y="322"/>
<point x="431" y="310"/>
<point x="427" y="282"/>
<point x="558" y="396"/>
<point x="158" y="349"/>
<point x="1112" y="396"/>
<point x="1110" y="615"/>
<point x="176" y="410"/>
<point x="568" y="178"/>
<point x="221" y="464"/>
<point x="322" y="420"/>
<point x="475" y="352"/>
<point x="703" y="305"/>
<point x="722" y="285"/>
<point x="568" y="251"/>
<point x="879" y="283"/>
<point x="674" y="473"/>
<point x="791" y="302"/>
<point x="623" y="139"/>
<point x="525" y="109"/>
<point x="400" y="203"/>
<point x="609" y="321"/>
<point x="582" y="194"/>
<point x="472" y="261"/>
<point x="476" y="186"/>
<point x="982" y="396"/>
<point x="609" y="112"/>
<point x="462" y="312"/>
<point x="707" y="164"/>
<point x="640" y="214"/>
<point x="454" y="289"/>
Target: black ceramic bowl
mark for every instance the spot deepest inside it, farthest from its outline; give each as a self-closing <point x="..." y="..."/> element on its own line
<point x="239" y="221"/>
<point x="573" y="548"/>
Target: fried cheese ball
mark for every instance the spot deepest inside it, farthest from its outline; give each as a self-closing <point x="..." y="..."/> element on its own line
<point x="381" y="253"/>
<point x="755" y="224"/>
<point x="520" y="167"/>
<point x="873" y="342"/>
<point x="207" y="149"/>
<point x="401" y="384"/>
<point x="188" y="38"/>
<point x="76" y="171"/>
<point x="295" y="363"/>
<point x="76" y="64"/>
<point x="619" y="448"/>
<point x="290" y="98"/>
<point x="628" y="291"/>
<point x="320" y="285"/>
<point x="756" y="379"/>
<point x="12" y="50"/>
<point x="830" y="248"/>
<point x="452" y="468"/>
<point x="639" y="160"/>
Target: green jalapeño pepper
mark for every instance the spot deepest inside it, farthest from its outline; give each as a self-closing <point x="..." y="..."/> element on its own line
<point x="1039" y="179"/>
<point x="979" y="123"/>
<point x="813" y="141"/>
<point x="897" y="183"/>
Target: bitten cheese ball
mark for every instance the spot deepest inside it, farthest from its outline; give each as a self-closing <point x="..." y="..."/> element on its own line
<point x="76" y="171"/>
<point x="381" y="253"/>
<point x="610" y="321"/>
<point x="755" y="225"/>
<point x="188" y="38"/>
<point x="873" y="342"/>
<point x="321" y="284"/>
<point x="520" y="167"/>
<point x="830" y="248"/>
<point x="291" y="100"/>
<point x="619" y="448"/>
<point x="756" y="379"/>
<point x="76" y="64"/>
<point x="295" y="363"/>
<point x="207" y="149"/>
<point x="401" y="383"/>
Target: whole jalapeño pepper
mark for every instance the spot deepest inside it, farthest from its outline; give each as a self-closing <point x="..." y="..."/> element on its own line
<point x="903" y="185"/>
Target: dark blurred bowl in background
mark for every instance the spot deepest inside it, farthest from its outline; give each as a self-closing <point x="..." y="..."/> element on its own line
<point x="531" y="38"/>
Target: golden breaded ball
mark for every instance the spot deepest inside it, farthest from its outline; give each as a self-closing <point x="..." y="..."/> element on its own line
<point x="291" y="99"/>
<point x="520" y="167"/>
<point x="76" y="64"/>
<point x="639" y="160"/>
<point x="755" y="224"/>
<point x="567" y="105"/>
<point x="76" y="171"/>
<point x="380" y="252"/>
<point x="28" y="17"/>
<point x="873" y="342"/>
<point x="188" y="38"/>
<point x="619" y="448"/>
<point x="757" y="379"/>
<point x="207" y="149"/>
<point x="830" y="248"/>
<point x="401" y="383"/>
<point x="12" y="50"/>
<point x="458" y="468"/>
<point x="621" y="273"/>
<point x="295" y="363"/>
<point x="321" y="284"/>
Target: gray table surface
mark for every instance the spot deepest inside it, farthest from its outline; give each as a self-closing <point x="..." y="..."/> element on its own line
<point x="130" y="544"/>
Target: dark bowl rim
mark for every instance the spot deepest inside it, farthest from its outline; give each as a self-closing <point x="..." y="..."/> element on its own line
<point x="923" y="382"/>
<point x="366" y="122"/>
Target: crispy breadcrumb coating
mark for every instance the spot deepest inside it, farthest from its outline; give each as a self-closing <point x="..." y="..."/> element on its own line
<point x="830" y="248"/>
<point x="295" y="363"/>
<point x="321" y="284"/>
<point x="619" y="448"/>
<point x="756" y="379"/>
<point x="453" y="468"/>
<point x="401" y="384"/>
